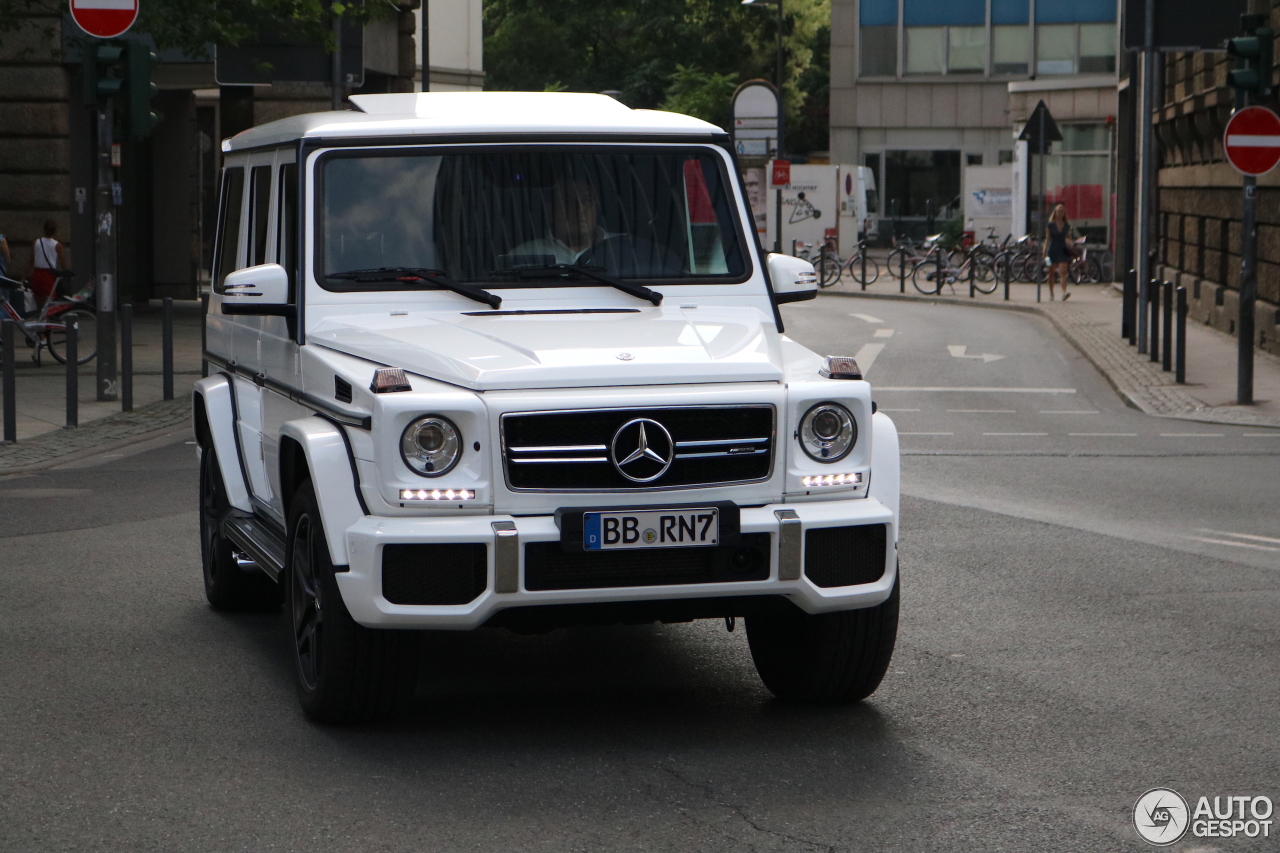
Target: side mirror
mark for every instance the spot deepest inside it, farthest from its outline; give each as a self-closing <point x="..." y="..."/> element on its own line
<point x="793" y="280"/>
<point x="263" y="289"/>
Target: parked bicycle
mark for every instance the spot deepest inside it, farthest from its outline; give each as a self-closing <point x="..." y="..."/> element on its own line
<point x="860" y="266"/>
<point x="43" y="331"/>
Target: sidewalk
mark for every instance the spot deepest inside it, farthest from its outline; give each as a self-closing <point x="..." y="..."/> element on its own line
<point x="1090" y="320"/>
<point x="41" y="395"/>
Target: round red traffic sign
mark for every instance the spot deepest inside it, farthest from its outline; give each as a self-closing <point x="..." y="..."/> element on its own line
<point x="104" y="18"/>
<point x="1252" y="140"/>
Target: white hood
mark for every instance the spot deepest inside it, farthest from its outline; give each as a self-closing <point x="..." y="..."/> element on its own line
<point x="497" y="351"/>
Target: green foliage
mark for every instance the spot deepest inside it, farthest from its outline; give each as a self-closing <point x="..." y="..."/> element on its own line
<point x="701" y="94"/>
<point x="952" y="233"/>
<point x="682" y="55"/>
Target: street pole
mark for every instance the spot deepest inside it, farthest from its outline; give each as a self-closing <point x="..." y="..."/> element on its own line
<point x="104" y="248"/>
<point x="1146" y="192"/>
<point x="1248" y="292"/>
<point x="335" y="66"/>
<point x="426" y="47"/>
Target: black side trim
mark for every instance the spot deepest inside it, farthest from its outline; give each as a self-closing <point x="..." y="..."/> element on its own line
<point x="336" y="413"/>
<point x="235" y="419"/>
<point x="273" y="310"/>
<point x="351" y="457"/>
<point x="800" y="296"/>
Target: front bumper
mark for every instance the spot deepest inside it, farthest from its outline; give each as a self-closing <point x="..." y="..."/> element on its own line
<point x="506" y="536"/>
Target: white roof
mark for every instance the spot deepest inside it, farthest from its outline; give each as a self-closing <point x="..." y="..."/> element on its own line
<point x="463" y="113"/>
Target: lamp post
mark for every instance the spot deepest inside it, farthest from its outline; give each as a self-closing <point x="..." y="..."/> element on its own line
<point x="777" y="80"/>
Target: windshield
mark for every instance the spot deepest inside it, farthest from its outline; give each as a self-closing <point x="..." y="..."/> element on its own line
<point x="478" y="215"/>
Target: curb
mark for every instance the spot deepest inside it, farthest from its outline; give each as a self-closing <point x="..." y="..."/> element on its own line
<point x="1200" y="414"/>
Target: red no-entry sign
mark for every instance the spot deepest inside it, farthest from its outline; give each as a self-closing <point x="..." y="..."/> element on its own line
<point x="1252" y="140"/>
<point x="104" y="18"/>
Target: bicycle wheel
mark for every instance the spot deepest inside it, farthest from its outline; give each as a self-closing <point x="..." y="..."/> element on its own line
<point x="925" y="278"/>
<point x="828" y="269"/>
<point x="899" y="265"/>
<point x="86" y="336"/>
<point x="855" y="269"/>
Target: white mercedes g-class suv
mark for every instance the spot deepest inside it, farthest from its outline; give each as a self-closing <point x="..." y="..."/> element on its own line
<point x="516" y="359"/>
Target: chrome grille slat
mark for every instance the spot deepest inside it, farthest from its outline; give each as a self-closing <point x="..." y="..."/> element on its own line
<point x="559" y="451"/>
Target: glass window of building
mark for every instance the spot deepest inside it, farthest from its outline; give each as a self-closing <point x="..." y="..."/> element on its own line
<point x="1010" y="47"/>
<point x="1055" y="49"/>
<point x="922" y="184"/>
<point x="1097" y="48"/>
<point x="1005" y="155"/>
<point x="966" y="50"/>
<point x="1084" y="137"/>
<point x="878" y="22"/>
<point x="925" y="50"/>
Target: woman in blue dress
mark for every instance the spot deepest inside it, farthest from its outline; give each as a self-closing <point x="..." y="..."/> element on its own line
<point x="1057" y="241"/>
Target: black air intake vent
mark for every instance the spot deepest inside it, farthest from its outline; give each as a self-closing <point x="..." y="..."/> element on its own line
<point x="341" y="390"/>
<point x="844" y="556"/>
<point x="434" y="574"/>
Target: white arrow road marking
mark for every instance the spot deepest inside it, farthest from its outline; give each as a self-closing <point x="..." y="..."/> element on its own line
<point x="867" y="317"/>
<point x="1270" y="539"/>
<point x="958" y="351"/>
<point x="884" y="333"/>
<point x="867" y="356"/>
<point x="1213" y="541"/>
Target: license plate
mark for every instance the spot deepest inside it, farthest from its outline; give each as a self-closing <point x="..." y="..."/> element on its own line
<point x="659" y="528"/>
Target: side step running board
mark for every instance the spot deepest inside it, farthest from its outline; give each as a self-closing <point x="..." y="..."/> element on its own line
<point x="262" y="544"/>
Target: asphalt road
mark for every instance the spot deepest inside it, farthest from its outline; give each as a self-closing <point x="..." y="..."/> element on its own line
<point x="1065" y="645"/>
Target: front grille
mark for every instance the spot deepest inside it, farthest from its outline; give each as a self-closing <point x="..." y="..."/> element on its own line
<point x="844" y="556"/>
<point x="434" y="574"/>
<point x="571" y="451"/>
<point x="548" y="566"/>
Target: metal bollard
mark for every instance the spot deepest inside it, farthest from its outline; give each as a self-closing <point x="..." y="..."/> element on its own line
<point x="862" y="248"/>
<point x="1008" y="274"/>
<point x="126" y="357"/>
<point x="1128" y="328"/>
<point x="1153" y="294"/>
<point x="1180" y="359"/>
<point x="902" y="272"/>
<point x="167" y="347"/>
<point x="1166" y="362"/>
<point x="937" y="274"/>
<point x="1140" y="316"/>
<point x="204" y="312"/>
<point x="7" y="331"/>
<point x="972" y="263"/>
<point x="73" y="370"/>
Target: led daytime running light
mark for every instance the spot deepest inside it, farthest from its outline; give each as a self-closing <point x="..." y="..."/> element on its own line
<point x="437" y="495"/>
<point x="851" y="479"/>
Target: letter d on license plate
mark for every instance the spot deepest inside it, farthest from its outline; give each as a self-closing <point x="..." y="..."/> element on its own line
<point x="657" y="528"/>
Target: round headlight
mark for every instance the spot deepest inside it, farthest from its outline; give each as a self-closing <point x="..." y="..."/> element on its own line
<point x="431" y="446"/>
<point x="828" y="432"/>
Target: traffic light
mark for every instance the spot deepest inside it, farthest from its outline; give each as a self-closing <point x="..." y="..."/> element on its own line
<point x="138" y="91"/>
<point x="103" y="69"/>
<point x="1252" y="75"/>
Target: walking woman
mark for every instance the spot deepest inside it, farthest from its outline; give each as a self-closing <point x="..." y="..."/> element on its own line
<point x="50" y="255"/>
<point x="1057" y="248"/>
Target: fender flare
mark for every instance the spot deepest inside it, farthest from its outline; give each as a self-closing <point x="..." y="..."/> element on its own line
<point x="331" y="469"/>
<point x="214" y="416"/>
<point x="886" y="465"/>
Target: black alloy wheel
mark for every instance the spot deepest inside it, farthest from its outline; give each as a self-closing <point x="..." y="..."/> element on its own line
<point x="227" y="584"/>
<point x="305" y="605"/>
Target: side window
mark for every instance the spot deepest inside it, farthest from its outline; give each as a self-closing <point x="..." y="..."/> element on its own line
<point x="228" y="225"/>
<point x="260" y="209"/>
<point x="287" y="250"/>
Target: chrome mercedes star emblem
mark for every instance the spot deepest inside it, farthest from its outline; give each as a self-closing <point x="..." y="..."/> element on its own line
<point x="642" y="450"/>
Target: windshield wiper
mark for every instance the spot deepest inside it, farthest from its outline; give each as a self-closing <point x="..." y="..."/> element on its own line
<point x="533" y="270"/>
<point x="421" y="274"/>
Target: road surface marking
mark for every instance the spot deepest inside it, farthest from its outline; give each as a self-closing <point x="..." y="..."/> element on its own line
<point x="926" y="433"/>
<point x="958" y="351"/>
<point x="884" y="333"/>
<point x="1070" y="412"/>
<point x="1191" y="435"/>
<point x="982" y="411"/>
<point x="1236" y="544"/>
<point x="1104" y="434"/>
<point x="1270" y="539"/>
<point x="1015" y="433"/>
<point x="867" y="356"/>
<point x="880" y="409"/>
<point x="975" y="389"/>
<point x="867" y="317"/>
<point x="1260" y="434"/>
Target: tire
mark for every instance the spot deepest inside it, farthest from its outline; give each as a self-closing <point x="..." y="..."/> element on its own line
<point x="828" y="657"/>
<point x="86" y="336"/>
<point x="227" y="586"/>
<point x="899" y="261"/>
<point x="855" y="269"/>
<point x="345" y="673"/>
<point x="924" y="277"/>
<point x="828" y="271"/>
